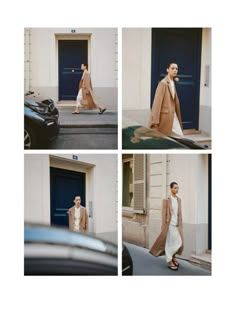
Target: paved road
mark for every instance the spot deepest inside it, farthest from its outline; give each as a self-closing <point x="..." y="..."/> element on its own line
<point x="89" y="118"/>
<point x="85" y="138"/>
<point x="146" y="264"/>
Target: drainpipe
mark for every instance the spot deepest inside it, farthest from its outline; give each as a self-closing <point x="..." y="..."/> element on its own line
<point x="164" y="174"/>
<point x="27" y="58"/>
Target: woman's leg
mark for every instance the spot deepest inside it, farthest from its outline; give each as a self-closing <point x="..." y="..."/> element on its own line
<point x="173" y="243"/>
<point x="78" y="102"/>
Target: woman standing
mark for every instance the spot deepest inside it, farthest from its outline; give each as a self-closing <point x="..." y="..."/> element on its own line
<point x="165" y="115"/>
<point x="170" y="240"/>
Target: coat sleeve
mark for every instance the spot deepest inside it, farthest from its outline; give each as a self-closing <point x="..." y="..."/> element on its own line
<point x="87" y="84"/>
<point x="157" y="102"/>
<point x="164" y="211"/>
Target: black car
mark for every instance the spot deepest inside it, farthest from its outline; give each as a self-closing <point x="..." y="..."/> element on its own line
<point x="139" y="137"/>
<point x="52" y="250"/>
<point x="127" y="262"/>
<point x="40" y="121"/>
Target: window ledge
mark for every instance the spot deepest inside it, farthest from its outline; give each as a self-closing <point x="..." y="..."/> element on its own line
<point x="128" y="212"/>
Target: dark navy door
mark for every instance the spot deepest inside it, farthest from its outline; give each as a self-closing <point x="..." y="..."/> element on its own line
<point x="64" y="186"/>
<point x="182" y="46"/>
<point x="72" y="53"/>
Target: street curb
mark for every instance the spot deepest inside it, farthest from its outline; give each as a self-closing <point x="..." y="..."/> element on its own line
<point x="89" y="126"/>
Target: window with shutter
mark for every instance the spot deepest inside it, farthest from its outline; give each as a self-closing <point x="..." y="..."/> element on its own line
<point x="139" y="183"/>
<point x="127" y="201"/>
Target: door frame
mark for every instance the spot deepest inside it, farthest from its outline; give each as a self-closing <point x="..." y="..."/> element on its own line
<point x="209" y="201"/>
<point x="155" y="52"/>
<point x="75" y="37"/>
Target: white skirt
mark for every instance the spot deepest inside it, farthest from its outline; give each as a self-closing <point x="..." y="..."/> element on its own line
<point x="176" y="129"/>
<point x="173" y="242"/>
<point x="79" y="98"/>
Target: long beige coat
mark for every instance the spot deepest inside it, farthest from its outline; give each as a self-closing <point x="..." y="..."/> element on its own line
<point x="83" y="225"/>
<point x="164" y="107"/>
<point x="158" y="248"/>
<point x="87" y="92"/>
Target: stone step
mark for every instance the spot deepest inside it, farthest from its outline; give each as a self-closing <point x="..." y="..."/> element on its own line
<point x="204" y="258"/>
<point x="87" y="130"/>
<point x="87" y="125"/>
<point x="191" y="131"/>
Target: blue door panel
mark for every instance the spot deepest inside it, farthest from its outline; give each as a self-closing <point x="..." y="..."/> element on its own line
<point x="182" y="46"/>
<point x="72" y="53"/>
<point x="64" y="186"/>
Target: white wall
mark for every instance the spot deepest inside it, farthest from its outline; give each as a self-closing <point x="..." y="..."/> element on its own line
<point x="37" y="188"/>
<point x="101" y="187"/>
<point x="136" y="68"/>
<point x="41" y="60"/>
<point x="205" y="91"/>
<point x="190" y="171"/>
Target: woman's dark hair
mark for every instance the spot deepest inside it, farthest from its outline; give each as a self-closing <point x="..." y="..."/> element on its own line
<point x="172" y="184"/>
<point x="170" y="63"/>
<point x="86" y="65"/>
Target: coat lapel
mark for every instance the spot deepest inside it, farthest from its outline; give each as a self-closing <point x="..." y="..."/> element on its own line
<point x="73" y="212"/>
<point x="169" y="87"/>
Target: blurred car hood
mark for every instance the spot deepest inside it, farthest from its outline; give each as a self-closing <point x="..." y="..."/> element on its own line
<point x="140" y="137"/>
<point x="39" y="233"/>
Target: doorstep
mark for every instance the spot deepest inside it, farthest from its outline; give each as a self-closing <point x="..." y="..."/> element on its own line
<point x="203" y="258"/>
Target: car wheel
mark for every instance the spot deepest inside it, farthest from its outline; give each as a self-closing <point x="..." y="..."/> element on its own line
<point x="29" y="138"/>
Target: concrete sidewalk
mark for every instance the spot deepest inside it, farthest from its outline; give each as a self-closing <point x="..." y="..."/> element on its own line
<point x="144" y="264"/>
<point x="87" y="118"/>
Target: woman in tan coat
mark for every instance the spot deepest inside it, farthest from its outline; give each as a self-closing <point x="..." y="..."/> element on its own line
<point x="165" y="114"/>
<point x="78" y="216"/>
<point x="170" y="240"/>
<point x="85" y="97"/>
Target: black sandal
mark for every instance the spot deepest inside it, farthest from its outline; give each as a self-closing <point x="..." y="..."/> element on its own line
<point x="102" y="111"/>
<point x="174" y="268"/>
<point x="75" y="113"/>
<point x="175" y="262"/>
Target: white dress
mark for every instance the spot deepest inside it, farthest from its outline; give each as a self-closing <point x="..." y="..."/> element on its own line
<point x="80" y="95"/>
<point x="173" y="238"/>
<point x="176" y="128"/>
<point x="77" y="219"/>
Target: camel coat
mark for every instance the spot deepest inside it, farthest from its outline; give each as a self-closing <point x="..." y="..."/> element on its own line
<point x="83" y="226"/>
<point x="87" y="92"/>
<point x="164" y="107"/>
<point x="158" y="248"/>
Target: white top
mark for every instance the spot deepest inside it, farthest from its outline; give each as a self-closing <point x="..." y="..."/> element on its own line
<point x="172" y="87"/>
<point x="174" y="211"/>
<point x="77" y="219"/>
